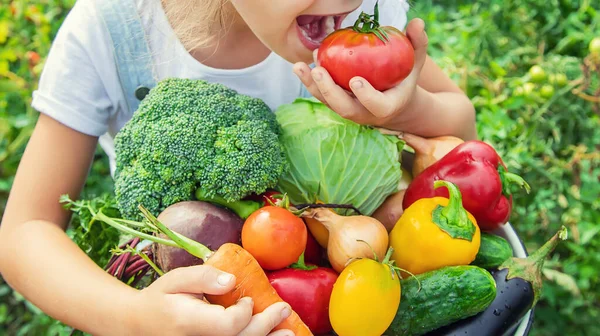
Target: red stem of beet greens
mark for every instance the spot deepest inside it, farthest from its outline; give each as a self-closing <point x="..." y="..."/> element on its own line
<point x="176" y="240"/>
<point x="150" y="262"/>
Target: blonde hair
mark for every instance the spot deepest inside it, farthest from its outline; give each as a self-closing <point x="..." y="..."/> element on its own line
<point x="198" y="23"/>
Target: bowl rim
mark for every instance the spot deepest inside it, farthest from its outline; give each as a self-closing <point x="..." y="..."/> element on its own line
<point x="510" y="233"/>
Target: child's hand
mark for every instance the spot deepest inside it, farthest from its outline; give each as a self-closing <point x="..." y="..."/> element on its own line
<point x="366" y="105"/>
<point x="173" y="305"/>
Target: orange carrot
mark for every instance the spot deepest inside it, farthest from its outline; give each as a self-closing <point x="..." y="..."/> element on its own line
<point x="251" y="281"/>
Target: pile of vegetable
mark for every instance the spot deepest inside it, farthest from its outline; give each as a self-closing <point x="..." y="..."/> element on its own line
<point x="304" y="206"/>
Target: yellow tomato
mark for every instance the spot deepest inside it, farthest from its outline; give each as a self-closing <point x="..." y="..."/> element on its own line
<point x="365" y="299"/>
<point x="420" y="245"/>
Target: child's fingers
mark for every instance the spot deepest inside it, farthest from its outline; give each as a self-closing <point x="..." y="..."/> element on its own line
<point x="386" y="103"/>
<point x="303" y="72"/>
<point x="262" y="323"/>
<point x="335" y="96"/>
<point x="373" y="100"/>
<point x="216" y="320"/>
<point x="195" y="280"/>
<point x="282" y="332"/>
<point x="418" y="37"/>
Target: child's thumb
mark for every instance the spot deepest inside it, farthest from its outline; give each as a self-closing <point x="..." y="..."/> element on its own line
<point x="202" y="279"/>
<point x="418" y="37"/>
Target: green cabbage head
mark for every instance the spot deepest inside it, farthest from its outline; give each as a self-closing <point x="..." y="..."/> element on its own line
<point x="335" y="160"/>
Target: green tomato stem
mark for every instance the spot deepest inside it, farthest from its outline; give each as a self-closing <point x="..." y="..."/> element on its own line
<point x="367" y="24"/>
<point x="388" y="255"/>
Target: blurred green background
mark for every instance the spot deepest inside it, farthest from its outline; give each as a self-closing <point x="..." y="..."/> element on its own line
<point x="532" y="71"/>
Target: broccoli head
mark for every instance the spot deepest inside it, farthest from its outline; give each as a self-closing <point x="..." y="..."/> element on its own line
<point x="189" y="134"/>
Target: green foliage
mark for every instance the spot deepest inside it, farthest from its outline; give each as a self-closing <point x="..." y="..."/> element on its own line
<point x="552" y="139"/>
<point x="95" y="238"/>
<point x="190" y="133"/>
<point x="545" y="127"/>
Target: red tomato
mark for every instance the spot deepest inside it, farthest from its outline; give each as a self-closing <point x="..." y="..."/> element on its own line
<point x="362" y="51"/>
<point x="274" y="236"/>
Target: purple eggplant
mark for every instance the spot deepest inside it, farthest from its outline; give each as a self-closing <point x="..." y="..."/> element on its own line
<point x="518" y="283"/>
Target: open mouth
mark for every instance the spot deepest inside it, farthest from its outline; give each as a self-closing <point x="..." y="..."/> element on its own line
<point x="312" y="29"/>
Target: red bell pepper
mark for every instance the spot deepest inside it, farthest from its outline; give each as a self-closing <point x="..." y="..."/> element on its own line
<point x="266" y="198"/>
<point x="307" y="289"/>
<point x="313" y="254"/>
<point x="482" y="177"/>
<point x="270" y="197"/>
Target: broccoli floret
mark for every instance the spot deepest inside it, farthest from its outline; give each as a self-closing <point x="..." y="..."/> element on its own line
<point x="189" y="134"/>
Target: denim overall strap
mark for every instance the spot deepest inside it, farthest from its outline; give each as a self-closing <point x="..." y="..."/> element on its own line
<point x="132" y="54"/>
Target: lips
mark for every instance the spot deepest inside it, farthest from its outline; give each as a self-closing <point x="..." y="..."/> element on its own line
<point x="312" y="29"/>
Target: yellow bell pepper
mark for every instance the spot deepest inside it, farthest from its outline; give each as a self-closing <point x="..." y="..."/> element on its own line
<point x="365" y="298"/>
<point x="435" y="232"/>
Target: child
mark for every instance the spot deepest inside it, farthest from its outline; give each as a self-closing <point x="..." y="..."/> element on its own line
<point x="105" y="57"/>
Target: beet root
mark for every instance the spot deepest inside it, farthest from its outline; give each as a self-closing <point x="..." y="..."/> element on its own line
<point x="203" y="222"/>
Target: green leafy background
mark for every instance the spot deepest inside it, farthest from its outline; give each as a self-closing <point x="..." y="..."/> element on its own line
<point x="546" y="130"/>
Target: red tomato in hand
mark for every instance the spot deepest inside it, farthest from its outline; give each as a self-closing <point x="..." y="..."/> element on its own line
<point x="384" y="56"/>
<point x="274" y="236"/>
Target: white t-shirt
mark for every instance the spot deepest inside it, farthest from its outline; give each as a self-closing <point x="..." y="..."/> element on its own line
<point x="80" y="88"/>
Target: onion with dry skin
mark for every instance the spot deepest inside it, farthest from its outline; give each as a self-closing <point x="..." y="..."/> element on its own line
<point x="350" y="237"/>
<point x="429" y="150"/>
<point x="391" y="209"/>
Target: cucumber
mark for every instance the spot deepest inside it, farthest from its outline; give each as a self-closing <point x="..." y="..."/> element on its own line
<point x="493" y="251"/>
<point x="446" y="295"/>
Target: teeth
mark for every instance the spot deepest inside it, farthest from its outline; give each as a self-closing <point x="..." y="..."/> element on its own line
<point x="305" y="32"/>
<point x="329" y="25"/>
<point x="316" y="31"/>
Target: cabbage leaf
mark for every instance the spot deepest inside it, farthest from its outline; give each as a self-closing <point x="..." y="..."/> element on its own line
<point x="335" y="160"/>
